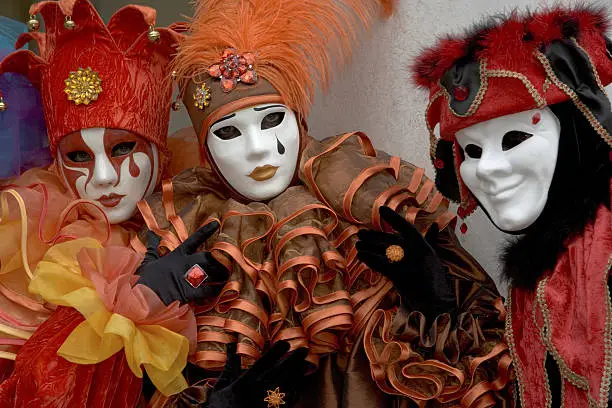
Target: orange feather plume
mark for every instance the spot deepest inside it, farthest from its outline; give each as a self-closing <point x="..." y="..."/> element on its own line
<point x="296" y="43"/>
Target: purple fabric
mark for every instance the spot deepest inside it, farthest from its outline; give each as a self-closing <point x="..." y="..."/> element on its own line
<point x="23" y="134"/>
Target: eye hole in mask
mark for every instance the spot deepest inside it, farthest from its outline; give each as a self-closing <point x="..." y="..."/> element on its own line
<point x="473" y="151"/>
<point x="227" y="132"/>
<point x="123" y="148"/>
<point x="79" y="156"/>
<point x="272" y="120"/>
<point x="513" y="139"/>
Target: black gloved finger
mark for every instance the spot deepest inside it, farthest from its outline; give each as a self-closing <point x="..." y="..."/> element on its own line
<point x="196" y="239"/>
<point x="379" y="238"/>
<point x="152" y="253"/>
<point x="231" y="371"/>
<point x="375" y="248"/>
<point x="374" y="261"/>
<point x="267" y="361"/>
<point x="214" y="269"/>
<point x="400" y="224"/>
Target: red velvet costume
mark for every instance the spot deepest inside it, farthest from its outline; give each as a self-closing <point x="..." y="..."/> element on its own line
<point x="90" y="75"/>
<point x="561" y="317"/>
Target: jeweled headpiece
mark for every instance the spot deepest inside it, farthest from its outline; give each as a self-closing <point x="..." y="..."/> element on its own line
<point x="242" y="53"/>
<point x="96" y="75"/>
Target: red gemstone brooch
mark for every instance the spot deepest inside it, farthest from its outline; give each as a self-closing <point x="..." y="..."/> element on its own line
<point x="234" y="68"/>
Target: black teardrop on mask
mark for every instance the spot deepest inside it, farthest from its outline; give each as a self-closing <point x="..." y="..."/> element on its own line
<point x="280" y="147"/>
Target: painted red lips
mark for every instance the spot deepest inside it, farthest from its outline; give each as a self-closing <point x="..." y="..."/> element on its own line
<point x="111" y="200"/>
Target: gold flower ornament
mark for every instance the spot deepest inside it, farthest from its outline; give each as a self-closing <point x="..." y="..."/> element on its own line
<point x="83" y="86"/>
<point x="275" y="398"/>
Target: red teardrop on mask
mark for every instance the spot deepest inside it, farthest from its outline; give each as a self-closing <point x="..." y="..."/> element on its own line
<point x="536" y="118"/>
<point x="134" y="169"/>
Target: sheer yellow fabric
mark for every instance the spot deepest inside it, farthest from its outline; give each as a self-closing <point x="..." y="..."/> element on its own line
<point x="162" y="352"/>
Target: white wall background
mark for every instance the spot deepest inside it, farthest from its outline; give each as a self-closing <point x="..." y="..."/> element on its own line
<point x="374" y="94"/>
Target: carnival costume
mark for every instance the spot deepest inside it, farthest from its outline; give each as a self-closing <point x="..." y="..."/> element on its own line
<point x="291" y="259"/>
<point x="557" y="60"/>
<point x="79" y="332"/>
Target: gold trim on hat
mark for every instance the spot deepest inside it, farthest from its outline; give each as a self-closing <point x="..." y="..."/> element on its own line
<point x="599" y="128"/>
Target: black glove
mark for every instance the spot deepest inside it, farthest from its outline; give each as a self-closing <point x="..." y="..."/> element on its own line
<point x="275" y="372"/>
<point x="420" y="277"/>
<point x="166" y="275"/>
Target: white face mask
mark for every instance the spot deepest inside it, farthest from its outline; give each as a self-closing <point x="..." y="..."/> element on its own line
<point x="509" y="165"/>
<point x="256" y="149"/>
<point x="113" y="168"/>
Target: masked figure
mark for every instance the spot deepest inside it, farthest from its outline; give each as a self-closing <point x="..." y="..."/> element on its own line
<point x="79" y="333"/>
<point x="527" y="137"/>
<point x="289" y="209"/>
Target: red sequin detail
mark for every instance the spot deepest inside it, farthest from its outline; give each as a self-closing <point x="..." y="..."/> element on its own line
<point x="438" y="164"/>
<point x="461" y="93"/>
<point x="234" y="68"/>
<point x="536" y="118"/>
<point x="195" y="276"/>
<point x="463" y="228"/>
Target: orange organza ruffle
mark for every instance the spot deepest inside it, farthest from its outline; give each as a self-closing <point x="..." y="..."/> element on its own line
<point x="37" y="211"/>
<point x="98" y="283"/>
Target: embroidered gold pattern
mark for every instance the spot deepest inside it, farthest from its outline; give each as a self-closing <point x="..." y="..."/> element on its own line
<point x="485" y="74"/>
<point x="566" y="373"/>
<point x="502" y="73"/>
<point x="593" y="69"/>
<point x="603" y="133"/>
<point x="484" y="85"/>
<point x="512" y="347"/>
<point x="546" y="85"/>
<point x="577" y="380"/>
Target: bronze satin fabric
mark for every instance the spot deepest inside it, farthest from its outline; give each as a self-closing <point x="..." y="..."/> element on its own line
<point x="294" y="274"/>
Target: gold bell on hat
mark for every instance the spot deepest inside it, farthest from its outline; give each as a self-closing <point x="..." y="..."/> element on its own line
<point x="3" y="105"/>
<point x="33" y="24"/>
<point x="153" y="34"/>
<point x="68" y="23"/>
